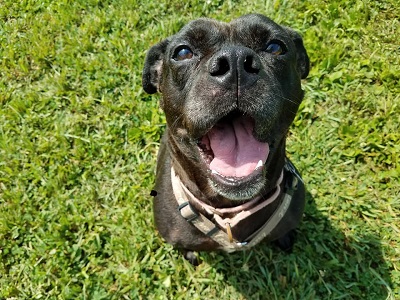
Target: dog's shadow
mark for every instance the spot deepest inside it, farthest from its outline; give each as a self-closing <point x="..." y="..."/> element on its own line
<point x="324" y="264"/>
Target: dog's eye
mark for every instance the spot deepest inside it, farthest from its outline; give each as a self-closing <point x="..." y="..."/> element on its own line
<point x="275" y="48"/>
<point x="182" y="53"/>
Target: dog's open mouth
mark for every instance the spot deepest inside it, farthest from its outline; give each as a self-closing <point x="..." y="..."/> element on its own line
<point x="230" y="149"/>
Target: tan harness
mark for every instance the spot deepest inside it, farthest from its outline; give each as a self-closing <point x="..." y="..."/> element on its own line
<point x="219" y="228"/>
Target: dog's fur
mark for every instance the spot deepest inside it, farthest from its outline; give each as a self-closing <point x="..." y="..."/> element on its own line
<point x="212" y="73"/>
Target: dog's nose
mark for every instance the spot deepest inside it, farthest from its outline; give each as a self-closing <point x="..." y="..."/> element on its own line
<point x="235" y="65"/>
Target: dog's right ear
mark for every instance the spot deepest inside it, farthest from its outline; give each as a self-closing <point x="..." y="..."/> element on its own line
<point x="152" y="67"/>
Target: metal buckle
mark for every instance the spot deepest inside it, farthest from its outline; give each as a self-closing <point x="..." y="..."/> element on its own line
<point x="242" y="244"/>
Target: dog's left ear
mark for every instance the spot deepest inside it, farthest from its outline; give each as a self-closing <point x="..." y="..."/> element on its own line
<point x="152" y="67"/>
<point x="303" y="62"/>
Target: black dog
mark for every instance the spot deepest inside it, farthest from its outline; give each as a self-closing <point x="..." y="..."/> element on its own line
<point x="230" y="92"/>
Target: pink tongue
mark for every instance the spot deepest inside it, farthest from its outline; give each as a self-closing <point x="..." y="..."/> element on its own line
<point x="236" y="151"/>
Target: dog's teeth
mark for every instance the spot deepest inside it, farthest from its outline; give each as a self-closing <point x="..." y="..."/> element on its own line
<point x="214" y="172"/>
<point x="260" y="164"/>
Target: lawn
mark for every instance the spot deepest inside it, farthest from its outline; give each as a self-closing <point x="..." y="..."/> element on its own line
<point x="79" y="137"/>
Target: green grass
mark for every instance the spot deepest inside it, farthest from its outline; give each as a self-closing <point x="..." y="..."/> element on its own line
<point x="79" y="137"/>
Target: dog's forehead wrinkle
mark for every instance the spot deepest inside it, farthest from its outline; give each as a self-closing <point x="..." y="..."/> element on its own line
<point x="203" y="30"/>
<point x="254" y="35"/>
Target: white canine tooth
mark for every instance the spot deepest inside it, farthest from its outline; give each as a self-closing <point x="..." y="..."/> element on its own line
<point x="214" y="172"/>
<point x="260" y="164"/>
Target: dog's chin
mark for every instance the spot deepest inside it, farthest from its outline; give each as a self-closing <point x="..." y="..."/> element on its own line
<point x="238" y="188"/>
<point x="234" y="158"/>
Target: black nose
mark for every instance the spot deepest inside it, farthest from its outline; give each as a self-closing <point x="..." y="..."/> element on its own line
<point x="235" y="65"/>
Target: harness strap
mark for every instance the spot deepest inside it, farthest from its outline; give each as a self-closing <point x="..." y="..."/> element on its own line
<point x="201" y="222"/>
<point x="225" y="239"/>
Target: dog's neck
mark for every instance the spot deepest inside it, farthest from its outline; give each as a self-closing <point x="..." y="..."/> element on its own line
<point x="232" y="215"/>
<point x="226" y="226"/>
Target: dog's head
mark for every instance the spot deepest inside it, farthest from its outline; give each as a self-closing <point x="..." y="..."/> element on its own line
<point x="230" y="92"/>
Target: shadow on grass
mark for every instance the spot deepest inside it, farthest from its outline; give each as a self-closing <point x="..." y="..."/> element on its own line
<point x="324" y="264"/>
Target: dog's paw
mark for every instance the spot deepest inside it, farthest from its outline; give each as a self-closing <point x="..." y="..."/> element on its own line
<point x="191" y="257"/>
<point x="286" y="242"/>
